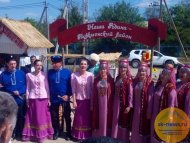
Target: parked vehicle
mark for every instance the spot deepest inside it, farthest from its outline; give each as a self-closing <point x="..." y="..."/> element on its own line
<point x="158" y="58"/>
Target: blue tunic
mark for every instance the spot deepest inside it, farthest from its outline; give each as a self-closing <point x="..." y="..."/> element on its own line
<point x="59" y="84"/>
<point x="14" y="81"/>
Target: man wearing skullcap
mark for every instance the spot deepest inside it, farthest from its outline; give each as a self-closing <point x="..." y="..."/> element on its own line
<point x="13" y="81"/>
<point x="94" y="64"/>
<point x="60" y="92"/>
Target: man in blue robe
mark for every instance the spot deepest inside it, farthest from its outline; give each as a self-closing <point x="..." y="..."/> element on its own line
<point x="60" y="92"/>
<point x="13" y="81"/>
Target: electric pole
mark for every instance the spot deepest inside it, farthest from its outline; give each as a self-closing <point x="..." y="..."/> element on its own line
<point x="64" y="14"/>
<point x="175" y="29"/>
<point x="44" y="18"/>
<point x="85" y="20"/>
<point x="66" y="10"/>
<point x="160" y="18"/>
<point x="85" y="11"/>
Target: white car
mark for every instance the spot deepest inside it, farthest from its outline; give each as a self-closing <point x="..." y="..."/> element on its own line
<point x="159" y="59"/>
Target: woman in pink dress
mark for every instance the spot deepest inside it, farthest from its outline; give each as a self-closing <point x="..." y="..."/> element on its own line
<point x="142" y="96"/>
<point x="165" y="96"/>
<point x="102" y="101"/>
<point x="38" y="125"/>
<point x="123" y="102"/>
<point x="82" y="84"/>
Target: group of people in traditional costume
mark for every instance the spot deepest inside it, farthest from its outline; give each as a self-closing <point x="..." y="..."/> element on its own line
<point x="124" y="108"/>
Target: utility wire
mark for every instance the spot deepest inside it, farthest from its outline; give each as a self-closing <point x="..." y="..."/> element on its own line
<point x="31" y="5"/>
<point x="53" y="6"/>
<point x="22" y="6"/>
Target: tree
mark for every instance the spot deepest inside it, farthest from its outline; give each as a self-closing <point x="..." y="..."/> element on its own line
<point x="32" y="21"/>
<point x="120" y="11"/>
<point x="181" y="17"/>
<point x="75" y="17"/>
<point x="40" y="27"/>
<point x="151" y="12"/>
<point x="185" y="2"/>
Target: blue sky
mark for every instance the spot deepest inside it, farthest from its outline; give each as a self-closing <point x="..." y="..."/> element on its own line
<point x="36" y="7"/>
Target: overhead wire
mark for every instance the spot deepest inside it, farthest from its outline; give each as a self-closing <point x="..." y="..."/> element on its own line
<point x="53" y="6"/>
<point x="31" y="5"/>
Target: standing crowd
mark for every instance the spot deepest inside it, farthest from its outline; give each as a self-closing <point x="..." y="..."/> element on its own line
<point x="124" y="108"/>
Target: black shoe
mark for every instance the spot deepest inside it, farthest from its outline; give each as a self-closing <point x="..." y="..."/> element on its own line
<point x="75" y="140"/>
<point x="55" y="136"/>
<point x="61" y="134"/>
<point x="68" y="137"/>
<point x="19" y="137"/>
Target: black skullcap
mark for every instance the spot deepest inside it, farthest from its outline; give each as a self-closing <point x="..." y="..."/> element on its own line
<point x="56" y="59"/>
<point x="10" y="58"/>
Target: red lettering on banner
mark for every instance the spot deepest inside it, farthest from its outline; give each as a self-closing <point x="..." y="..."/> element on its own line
<point x="11" y="35"/>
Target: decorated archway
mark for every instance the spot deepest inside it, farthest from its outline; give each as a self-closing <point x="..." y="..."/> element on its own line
<point x="117" y="30"/>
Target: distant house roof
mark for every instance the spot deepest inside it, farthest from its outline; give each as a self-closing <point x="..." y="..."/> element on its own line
<point x="27" y="33"/>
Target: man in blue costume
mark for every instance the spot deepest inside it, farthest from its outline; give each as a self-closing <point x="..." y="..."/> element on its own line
<point x="60" y="92"/>
<point x="13" y="81"/>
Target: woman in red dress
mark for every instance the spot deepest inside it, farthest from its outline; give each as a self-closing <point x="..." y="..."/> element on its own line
<point x="142" y="95"/>
<point x="102" y="101"/>
<point x="123" y="102"/>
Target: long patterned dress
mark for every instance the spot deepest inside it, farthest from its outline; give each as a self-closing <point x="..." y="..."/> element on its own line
<point x="82" y="88"/>
<point x="38" y="123"/>
<point x="123" y="98"/>
<point x="164" y="97"/>
<point x="142" y="95"/>
<point x="183" y="96"/>
<point x="102" y="106"/>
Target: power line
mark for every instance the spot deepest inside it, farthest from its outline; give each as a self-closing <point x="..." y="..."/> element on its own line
<point x="53" y="6"/>
<point x="29" y="5"/>
<point x="22" y="6"/>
